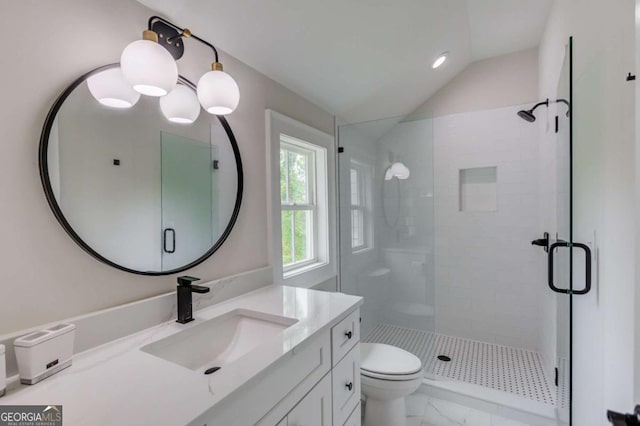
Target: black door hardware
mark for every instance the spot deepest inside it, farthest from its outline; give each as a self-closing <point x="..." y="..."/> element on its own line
<point x="619" y="419"/>
<point x="173" y="240"/>
<point x="349" y="386"/>
<point x="348" y="334"/>
<point x="542" y="242"/>
<point x="587" y="275"/>
<point x="631" y="77"/>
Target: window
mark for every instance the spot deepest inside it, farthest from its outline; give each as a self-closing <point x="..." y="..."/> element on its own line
<point x="302" y="202"/>
<point x="299" y="209"/>
<point x="361" y="231"/>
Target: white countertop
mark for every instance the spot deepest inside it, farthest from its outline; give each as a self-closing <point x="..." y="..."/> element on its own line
<point x="118" y="384"/>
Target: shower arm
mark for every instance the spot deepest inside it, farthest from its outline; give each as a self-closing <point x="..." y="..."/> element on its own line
<point x="545" y="102"/>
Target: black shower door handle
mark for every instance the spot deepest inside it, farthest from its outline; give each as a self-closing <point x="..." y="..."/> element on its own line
<point x="587" y="274"/>
<point x="173" y="240"/>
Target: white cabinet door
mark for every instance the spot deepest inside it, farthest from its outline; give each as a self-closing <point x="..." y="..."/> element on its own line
<point x="315" y="408"/>
<point x="346" y="386"/>
<point x="354" y="419"/>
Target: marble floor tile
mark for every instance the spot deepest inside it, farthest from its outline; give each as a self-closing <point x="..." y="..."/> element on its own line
<point x="416" y="404"/>
<point x="439" y="412"/>
<point x="501" y="421"/>
<point x="423" y="410"/>
<point x="414" y="421"/>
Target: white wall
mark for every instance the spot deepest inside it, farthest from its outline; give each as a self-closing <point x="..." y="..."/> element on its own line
<point x="488" y="84"/>
<point x="604" y="173"/>
<point x="487" y="273"/>
<point x="480" y="294"/>
<point x="45" y="275"/>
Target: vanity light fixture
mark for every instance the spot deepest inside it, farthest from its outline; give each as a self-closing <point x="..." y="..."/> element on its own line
<point x="149" y="65"/>
<point x="180" y="105"/>
<point x="440" y="60"/>
<point x="110" y="88"/>
<point x="218" y="92"/>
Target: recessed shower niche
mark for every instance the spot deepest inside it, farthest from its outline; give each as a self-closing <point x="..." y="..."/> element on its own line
<point x="478" y="189"/>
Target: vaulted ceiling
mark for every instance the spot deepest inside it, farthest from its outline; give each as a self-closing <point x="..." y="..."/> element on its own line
<point x="362" y="59"/>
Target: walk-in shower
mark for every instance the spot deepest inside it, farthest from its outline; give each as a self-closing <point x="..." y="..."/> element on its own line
<point x="437" y="215"/>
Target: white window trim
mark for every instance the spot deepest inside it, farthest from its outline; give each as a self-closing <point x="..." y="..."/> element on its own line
<point x="325" y="267"/>
<point x="365" y="206"/>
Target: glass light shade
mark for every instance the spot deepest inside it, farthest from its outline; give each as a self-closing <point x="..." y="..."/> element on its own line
<point x="397" y="170"/>
<point x="149" y="68"/>
<point x="180" y="105"/>
<point x="110" y="88"/>
<point x="218" y="92"/>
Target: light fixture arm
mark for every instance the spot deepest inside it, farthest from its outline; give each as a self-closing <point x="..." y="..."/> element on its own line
<point x="181" y="32"/>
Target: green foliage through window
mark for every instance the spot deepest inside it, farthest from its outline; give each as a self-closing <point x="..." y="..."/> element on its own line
<point x="297" y="218"/>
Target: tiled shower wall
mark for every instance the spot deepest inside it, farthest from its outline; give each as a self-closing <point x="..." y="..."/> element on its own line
<point x="488" y="276"/>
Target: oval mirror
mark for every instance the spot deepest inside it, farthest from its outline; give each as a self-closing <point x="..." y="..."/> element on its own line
<point x="149" y="186"/>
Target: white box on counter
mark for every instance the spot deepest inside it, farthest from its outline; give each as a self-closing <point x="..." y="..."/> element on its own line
<point x="3" y="371"/>
<point x="45" y="352"/>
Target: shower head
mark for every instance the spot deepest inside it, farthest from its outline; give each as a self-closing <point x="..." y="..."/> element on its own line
<point x="527" y="115"/>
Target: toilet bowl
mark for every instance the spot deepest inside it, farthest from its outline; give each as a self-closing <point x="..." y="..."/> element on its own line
<point x="387" y="375"/>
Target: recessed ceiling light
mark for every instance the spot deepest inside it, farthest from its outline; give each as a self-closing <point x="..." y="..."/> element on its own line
<point x="438" y="62"/>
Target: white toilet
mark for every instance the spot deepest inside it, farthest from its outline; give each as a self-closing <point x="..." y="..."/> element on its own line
<point x="387" y="374"/>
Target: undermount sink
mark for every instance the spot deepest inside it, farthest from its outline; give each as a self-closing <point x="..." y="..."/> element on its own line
<point x="219" y="341"/>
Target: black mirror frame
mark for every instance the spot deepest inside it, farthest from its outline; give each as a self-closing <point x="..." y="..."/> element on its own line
<point x="55" y="208"/>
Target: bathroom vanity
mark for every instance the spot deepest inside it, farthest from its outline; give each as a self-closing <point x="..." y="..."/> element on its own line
<point x="286" y="356"/>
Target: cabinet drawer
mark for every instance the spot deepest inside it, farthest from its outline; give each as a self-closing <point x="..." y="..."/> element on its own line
<point x="355" y="418"/>
<point x="346" y="386"/>
<point x="345" y="335"/>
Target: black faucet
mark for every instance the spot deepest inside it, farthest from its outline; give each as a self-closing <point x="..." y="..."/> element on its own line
<point x="184" y="290"/>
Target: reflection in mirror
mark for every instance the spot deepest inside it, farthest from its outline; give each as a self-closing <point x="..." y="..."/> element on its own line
<point x="144" y="193"/>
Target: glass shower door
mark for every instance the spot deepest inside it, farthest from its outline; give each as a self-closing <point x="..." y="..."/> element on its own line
<point x="560" y="273"/>
<point x="386" y="229"/>
<point x="569" y="261"/>
<point x="187" y="200"/>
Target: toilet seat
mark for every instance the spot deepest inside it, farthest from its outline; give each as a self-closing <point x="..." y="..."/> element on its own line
<point x="389" y="363"/>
